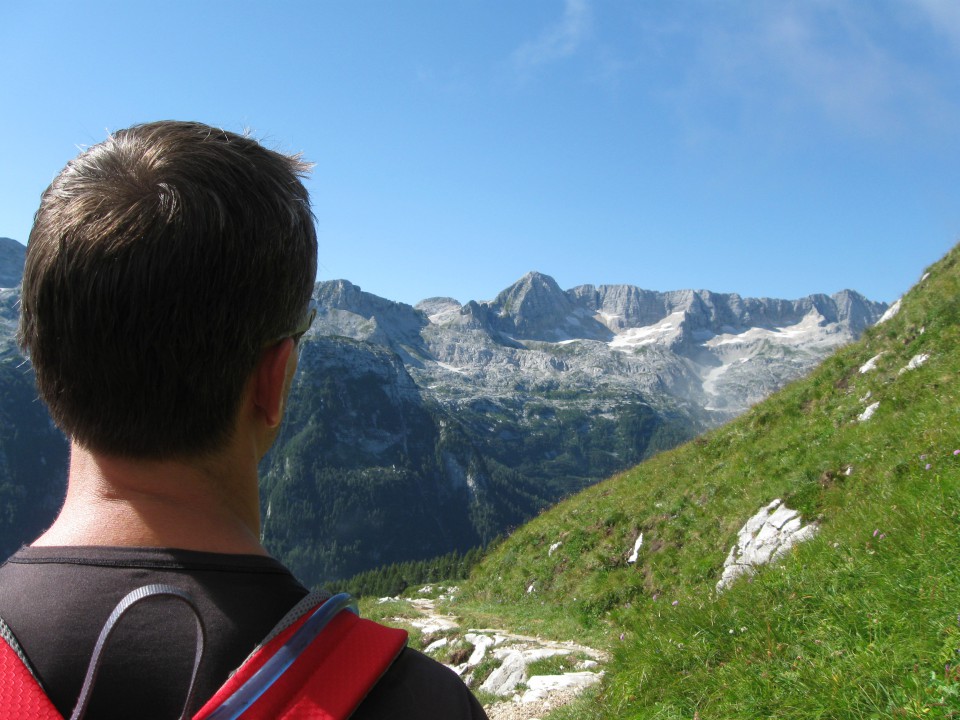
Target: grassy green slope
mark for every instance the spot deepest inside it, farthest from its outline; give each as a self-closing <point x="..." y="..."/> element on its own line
<point x="861" y="622"/>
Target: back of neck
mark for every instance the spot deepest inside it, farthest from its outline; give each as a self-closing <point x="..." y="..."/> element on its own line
<point x="210" y="505"/>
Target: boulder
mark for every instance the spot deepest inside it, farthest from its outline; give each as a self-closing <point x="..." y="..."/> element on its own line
<point x="764" y="538"/>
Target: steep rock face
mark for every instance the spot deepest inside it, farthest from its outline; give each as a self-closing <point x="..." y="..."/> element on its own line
<point x="12" y="255"/>
<point x="33" y="457"/>
<point x="33" y="453"/>
<point x="535" y="308"/>
<point x="856" y="311"/>
<point x="622" y="307"/>
<point x="439" y="310"/>
<point x="366" y="472"/>
<point x="741" y="348"/>
<point x="9" y="318"/>
<point x="344" y="309"/>
<point x="710" y="354"/>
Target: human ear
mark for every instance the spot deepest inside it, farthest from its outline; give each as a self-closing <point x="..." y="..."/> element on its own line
<point x="271" y="380"/>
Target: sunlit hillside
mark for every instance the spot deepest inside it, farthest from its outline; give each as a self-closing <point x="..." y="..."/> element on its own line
<point x="861" y="621"/>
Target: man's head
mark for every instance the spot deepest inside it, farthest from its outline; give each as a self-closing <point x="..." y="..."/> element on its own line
<point x="160" y="265"/>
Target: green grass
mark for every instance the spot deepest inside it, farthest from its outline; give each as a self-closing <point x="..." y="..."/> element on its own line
<point x="861" y="622"/>
<point x="556" y="664"/>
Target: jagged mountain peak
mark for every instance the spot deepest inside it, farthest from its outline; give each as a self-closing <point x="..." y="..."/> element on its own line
<point x="345" y="309"/>
<point x="536" y="308"/>
<point x="621" y="307"/>
<point x="344" y="295"/>
<point x="434" y="304"/>
<point x="531" y="292"/>
<point x="719" y="351"/>
<point x="855" y="309"/>
<point x="440" y="310"/>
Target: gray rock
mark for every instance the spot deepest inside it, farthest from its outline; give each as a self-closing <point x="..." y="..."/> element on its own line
<point x="713" y="354"/>
<point x="541" y="686"/>
<point x="868" y="412"/>
<point x="764" y="538"/>
<point x="504" y="679"/>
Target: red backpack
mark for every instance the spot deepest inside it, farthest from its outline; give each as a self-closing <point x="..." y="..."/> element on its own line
<point x="318" y="663"/>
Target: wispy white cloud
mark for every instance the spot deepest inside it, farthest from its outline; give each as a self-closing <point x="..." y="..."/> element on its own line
<point x="831" y="64"/>
<point x="943" y="16"/>
<point x="845" y="64"/>
<point x="780" y="67"/>
<point x="558" y="41"/>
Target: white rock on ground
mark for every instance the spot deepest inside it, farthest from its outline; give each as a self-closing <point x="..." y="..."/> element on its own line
<point x="870" y="364"/>
<point x="435" y="645"/>
<point x="869" y="412"/>
<point x="541" y="686"/>
<point x="890" y="313"/>
<point x="515" y="652"/>
<point x="764" y="538"/>
<point x="504" y="679"/>
<point x="480" y="644"/>
<point x="513" y="669"/>
<point x="636" y="550"/>
<point x="915" y="362"/>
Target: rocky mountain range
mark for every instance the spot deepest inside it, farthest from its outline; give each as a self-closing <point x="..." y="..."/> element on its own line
<point x="414" y="431"/>
<point x="704" y="353"/>
<point x="472" y="417"/>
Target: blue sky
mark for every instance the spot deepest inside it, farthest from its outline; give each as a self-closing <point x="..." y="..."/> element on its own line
<point x="767" y="148"/>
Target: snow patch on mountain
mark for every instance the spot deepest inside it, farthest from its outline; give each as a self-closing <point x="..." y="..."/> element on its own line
<point x="451" y="368"/>
<point x="662" y="332"/>
<point x="693" y="351"/>
<point x="811" y="329"/>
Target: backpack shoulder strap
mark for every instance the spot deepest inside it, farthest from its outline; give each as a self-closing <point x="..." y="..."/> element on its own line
<point x="301" y="672"/>
<point x="21" y="696"/>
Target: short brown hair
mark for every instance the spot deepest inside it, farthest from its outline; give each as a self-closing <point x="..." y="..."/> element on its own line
<point x="160" y="264"/>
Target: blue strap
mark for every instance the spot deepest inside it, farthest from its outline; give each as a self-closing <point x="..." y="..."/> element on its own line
<point x="248" y="693"/>
<point x="143" y="593"/>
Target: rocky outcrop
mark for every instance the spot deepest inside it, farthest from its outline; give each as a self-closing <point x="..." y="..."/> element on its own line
<point x="344" y="309"/>
<point x="535" y="308"/>
<point x="763" y="539"/>
<point x="890" y="312"/>
<point x="521" y="691"/>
